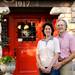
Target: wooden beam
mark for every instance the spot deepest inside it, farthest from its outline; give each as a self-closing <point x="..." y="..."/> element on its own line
<point x="35" y="3"/>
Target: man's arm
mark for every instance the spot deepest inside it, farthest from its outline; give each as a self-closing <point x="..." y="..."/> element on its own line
<point x="65" y="61"/>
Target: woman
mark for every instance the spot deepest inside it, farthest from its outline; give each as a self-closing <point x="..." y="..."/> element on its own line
<point x="48" y="51"/>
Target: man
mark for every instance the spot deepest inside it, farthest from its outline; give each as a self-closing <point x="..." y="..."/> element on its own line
<point x="67" y="47"/>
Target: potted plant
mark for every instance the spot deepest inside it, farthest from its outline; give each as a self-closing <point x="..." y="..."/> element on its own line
<point x="7" y="64"/>
<point x="6" y="60"/>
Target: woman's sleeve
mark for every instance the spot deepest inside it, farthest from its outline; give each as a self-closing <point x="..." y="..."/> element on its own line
<point x="56" y="45"/>
<point x="37" y="49"/>
<point x="37" y="56"/>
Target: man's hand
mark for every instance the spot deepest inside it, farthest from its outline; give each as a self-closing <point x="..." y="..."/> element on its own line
<point x="57" y="65"/>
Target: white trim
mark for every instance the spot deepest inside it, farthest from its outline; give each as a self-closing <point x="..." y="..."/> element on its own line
<point x="8" y="1"/>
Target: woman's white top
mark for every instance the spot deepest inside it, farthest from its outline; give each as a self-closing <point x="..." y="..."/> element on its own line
<point x="47" y="50"/>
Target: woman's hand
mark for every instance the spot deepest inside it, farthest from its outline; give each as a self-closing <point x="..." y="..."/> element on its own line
<point x="45" y="70"/>
<point x="48" y="70"/>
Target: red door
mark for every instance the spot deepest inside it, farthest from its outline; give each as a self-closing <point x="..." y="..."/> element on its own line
<point x="25" y="49"/>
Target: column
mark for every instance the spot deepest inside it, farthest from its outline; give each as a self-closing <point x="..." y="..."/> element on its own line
<point x="3" y="11"/>
<point x="0" y="38"/>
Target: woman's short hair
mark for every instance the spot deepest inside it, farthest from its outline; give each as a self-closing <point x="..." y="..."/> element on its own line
<point x="64" y="22"/>
<point x="47" y="24"/>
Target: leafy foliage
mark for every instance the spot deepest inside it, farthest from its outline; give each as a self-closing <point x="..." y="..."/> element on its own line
<point x="6" y="59"/>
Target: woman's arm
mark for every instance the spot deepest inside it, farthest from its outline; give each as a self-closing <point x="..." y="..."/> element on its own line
<point x="38" y="61"/>
<point x="54" y="60"/>
<point x="43" y="69"/>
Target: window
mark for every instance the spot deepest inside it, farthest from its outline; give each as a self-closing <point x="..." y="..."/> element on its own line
<point x="26" y="31"/>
